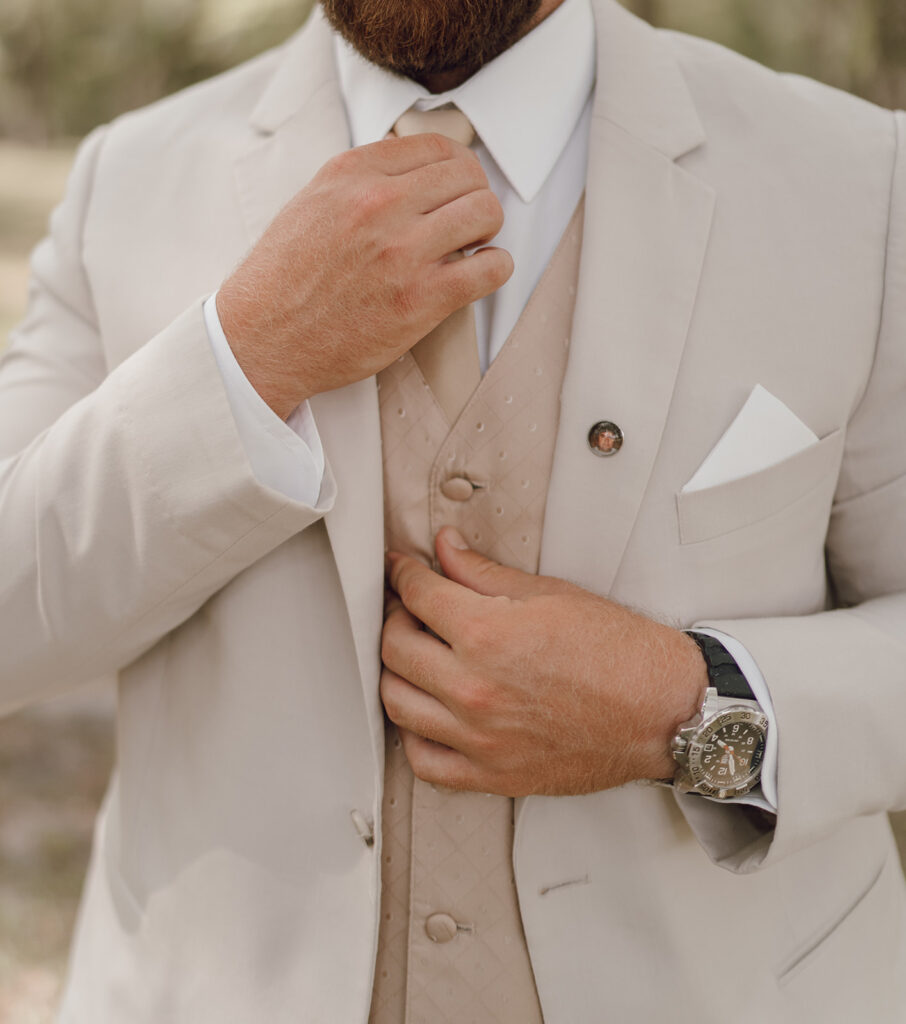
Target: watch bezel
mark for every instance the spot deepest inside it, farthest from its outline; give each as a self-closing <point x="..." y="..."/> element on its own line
<point x="694" y="751"/>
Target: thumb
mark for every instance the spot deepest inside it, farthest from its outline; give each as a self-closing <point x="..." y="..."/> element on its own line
<point x="483" y="575"/>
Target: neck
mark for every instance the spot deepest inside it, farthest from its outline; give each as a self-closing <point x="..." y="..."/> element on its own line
<point x="450" y="79"/>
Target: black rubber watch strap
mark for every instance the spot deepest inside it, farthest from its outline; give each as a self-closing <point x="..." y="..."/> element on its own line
<point x="723" y="672"/>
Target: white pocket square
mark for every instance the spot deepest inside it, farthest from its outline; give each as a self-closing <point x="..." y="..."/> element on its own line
<point x="765" y="432"/>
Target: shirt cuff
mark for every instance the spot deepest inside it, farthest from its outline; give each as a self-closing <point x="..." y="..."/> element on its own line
<point x="765" y="795"/>
<point x="287" y="457"/>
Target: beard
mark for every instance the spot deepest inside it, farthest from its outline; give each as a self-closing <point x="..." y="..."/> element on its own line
<point x="423" y="39"/>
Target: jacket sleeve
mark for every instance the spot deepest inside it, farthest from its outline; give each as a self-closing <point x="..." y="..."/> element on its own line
<point x="126" y="499"/>
<point x="838" y="678"/>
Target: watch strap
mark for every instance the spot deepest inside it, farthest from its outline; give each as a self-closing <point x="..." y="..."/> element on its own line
<point x="723" y="672"/>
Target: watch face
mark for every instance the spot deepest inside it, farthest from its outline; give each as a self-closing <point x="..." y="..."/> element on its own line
<point x="725" y="757"/>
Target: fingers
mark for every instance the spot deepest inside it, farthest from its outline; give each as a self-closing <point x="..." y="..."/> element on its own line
<point x="469" y="221"/>
<point x="434" y="185"/>
<point x="440" y="604"/>
<point x="470" y="279"/>
<point x="485" y="576"/>
<point x="413" y="709"/>
<point x="440" y="765"/>
<point x="417" y="656"/>
<point x="395" y="156"/>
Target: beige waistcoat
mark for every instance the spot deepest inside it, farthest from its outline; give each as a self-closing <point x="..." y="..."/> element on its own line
<point x="451" y="945"/>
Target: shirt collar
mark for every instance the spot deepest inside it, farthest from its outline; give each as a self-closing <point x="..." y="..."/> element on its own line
<point x="524" y="104"/>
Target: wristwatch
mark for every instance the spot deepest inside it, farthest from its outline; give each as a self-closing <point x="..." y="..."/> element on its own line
<point x="720" y="750"/>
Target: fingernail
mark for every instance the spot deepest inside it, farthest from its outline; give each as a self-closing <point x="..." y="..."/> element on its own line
<point x="455" y="539"/>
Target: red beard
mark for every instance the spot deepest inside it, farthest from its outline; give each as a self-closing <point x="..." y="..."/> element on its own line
<point x="425" y="38"/>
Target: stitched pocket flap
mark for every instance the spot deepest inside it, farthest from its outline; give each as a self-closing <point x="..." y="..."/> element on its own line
<point x="730" y="506"/>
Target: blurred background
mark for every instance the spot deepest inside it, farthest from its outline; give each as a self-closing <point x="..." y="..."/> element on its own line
<point x="68" y="65"/>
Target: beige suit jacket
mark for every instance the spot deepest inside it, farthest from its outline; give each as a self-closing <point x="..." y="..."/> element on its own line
<point x="741" y="228"/>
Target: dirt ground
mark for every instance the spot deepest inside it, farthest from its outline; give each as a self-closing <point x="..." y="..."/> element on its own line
<point x="54" y="760"/>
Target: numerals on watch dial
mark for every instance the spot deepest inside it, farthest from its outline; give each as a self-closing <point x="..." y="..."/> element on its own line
<point x="728" y="758"/>
<point x="725" y="758"/>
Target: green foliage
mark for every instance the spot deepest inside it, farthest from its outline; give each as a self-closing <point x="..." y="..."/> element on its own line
<point x="857" y="45"/>
<point x="66" y="65"/>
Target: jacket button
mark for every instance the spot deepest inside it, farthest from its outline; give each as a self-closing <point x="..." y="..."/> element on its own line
<point x="457" y="488"/>
<point x="605" y="439"/>
<point x="363" y="826"/>
<point x="441" y="928"/>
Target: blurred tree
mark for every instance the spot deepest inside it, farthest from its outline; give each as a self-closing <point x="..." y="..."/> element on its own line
<point x="857" y="45"/>
<point x="890" y="21"/>
<point x="66" y="65"/>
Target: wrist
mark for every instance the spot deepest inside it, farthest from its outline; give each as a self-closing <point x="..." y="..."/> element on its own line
<point x="686" y="680"/>
<point x="720" y="751"/>
<point x="266" y="373"/>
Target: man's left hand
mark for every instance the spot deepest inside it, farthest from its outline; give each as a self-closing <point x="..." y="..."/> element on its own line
<point x="530" y="684"/>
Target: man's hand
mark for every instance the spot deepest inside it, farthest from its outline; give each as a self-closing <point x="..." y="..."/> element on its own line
<point x="354" y="271"/>
<point x="536" y="686"/>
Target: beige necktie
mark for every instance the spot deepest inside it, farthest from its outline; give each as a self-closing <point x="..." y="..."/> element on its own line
<point x="448" y="356"/>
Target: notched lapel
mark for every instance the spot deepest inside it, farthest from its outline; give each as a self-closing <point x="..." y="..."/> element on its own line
<point x="647" y="225"/>
<point x="298" y="124"/>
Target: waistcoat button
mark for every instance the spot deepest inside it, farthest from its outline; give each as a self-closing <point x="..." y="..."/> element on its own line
<point x="457" y="488"/>
<point x="605" y="438"/>
<point x="440" y="928"/>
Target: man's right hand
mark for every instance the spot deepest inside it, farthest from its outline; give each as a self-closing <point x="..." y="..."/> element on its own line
<point x="354" y="270"/>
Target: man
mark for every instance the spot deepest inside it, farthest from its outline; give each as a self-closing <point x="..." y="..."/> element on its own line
<point x="741" y="274"/>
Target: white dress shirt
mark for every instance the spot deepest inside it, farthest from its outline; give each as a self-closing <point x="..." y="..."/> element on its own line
<point x="531" y="110"/>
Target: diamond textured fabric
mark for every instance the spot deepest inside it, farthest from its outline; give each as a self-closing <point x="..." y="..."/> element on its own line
<point x="447" y="852"/>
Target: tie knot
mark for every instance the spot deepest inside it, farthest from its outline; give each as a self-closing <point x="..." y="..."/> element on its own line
<point x="448" y="121"/>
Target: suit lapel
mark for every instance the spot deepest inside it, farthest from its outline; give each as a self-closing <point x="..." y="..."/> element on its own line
<point x="299" y="124"/>
<point x="646" y="232"/>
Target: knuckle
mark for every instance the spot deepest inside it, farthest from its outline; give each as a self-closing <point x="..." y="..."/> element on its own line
<point x="475" y="636"/>
<point x="416" y="756"/>
<point x="388" y="683"/>
<point x="501" y="268"/>
<point x="460" y="287"/>
<point x="394" y="711"/>
<point x="491" y="203"/>
<point x="471" y="173"/>
<point x="343" y="163"/>
<point x="421" y="768"/>
<point x="474" y="698"/>
<point x="395" y="714"/>
<point x="372" y="199"/>
<point x="388" y="253"/>
<point x="409" y="583"/>
<point x="388" y="647"/>
<point x="388" y="697"/>
<point x="488" y="209"/>
<point x="439" y="146"/>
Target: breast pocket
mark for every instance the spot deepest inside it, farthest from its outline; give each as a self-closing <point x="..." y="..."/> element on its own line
<point x="748" y="500"/>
